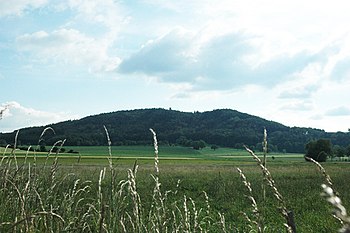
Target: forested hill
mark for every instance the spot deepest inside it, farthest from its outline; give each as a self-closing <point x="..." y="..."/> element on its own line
<point x="222" y="127"/>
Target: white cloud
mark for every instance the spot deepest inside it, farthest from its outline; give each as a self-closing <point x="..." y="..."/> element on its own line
<point x="70" y="47"/>
<point x="339" y="111"/>
<point x="98" y="11"/>
<point x="16" y="7"/>
<point x="165" y="55"/>
<point x="303" y="84"/>
<point x="299" y="92"/>
<point x="278" y="41"/>
<point x="86" y="38"/>
<point x="341" y="70"/>
<point x="17" y="116"/>
<point x="298" y="105"/>
<point x="224" y="61"/>
<point x="101" y="20"/>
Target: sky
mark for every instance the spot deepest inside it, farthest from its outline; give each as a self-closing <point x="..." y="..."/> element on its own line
<point x="285" y="61"/>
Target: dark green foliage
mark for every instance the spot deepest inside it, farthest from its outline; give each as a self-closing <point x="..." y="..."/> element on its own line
<point x="198" y="144"/>
<point x="224" y="127"/>
<point x="319" y="150"/>
<point x="73" y="151"/>
<point x="57" y="149"/>
<point x="3" y="142"/>
<point x="42" y="148"/>
<point x="339" y="151"/>
<point x="347" y="151"/>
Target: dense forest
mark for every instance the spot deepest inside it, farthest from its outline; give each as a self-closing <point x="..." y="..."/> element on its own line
<point x="223" y="127"/>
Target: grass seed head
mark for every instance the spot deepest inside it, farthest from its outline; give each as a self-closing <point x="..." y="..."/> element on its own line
<point x="156" y="159"/>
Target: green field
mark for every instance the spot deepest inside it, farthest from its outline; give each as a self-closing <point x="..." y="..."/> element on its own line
<point x="179" y="203"/>
<point x="165" y="152"/>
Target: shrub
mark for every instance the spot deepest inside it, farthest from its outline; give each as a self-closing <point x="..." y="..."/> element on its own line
<point x="319" y="150"/>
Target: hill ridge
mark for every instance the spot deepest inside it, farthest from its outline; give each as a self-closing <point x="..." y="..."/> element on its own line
<point x="222" y="127"/>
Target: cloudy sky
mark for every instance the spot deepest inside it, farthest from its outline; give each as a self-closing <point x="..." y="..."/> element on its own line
<point x="286" y="61"/>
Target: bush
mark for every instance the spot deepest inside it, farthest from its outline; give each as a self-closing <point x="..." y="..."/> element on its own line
<point x="319" y="150"/>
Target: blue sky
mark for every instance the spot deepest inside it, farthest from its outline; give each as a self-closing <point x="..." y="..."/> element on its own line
<point x="286" y="61"/>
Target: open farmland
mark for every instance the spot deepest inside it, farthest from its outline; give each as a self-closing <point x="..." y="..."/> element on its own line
<point x="166" y="152"/>
<point x="199" y="190"/>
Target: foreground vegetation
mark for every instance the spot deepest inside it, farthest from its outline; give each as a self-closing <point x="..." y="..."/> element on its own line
<point x="47" y="193"/>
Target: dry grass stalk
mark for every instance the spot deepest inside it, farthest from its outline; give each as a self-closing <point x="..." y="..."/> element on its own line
<point x="43" y="133"/>
<point x="158" y="201"/>
<point x="328" y="180"/>
<point x="158" y="206"/>
<point x="196" y="224"/>
<point x="14" y="149"/>
<point x="36" y="215"/>
<point x="26" y="156"/>
<point x="100" y="201"/>
<point x="265" y="147"/>
<point x="53" y="170"/>
<point x="100" y="187"/>
<point x="134" y="195"/>
<point x="156" y="191"/>
<point x="156" y="159"/>
<point x="60" y="147"/>
<point x="323" y="171"/>
<point x="268" y="175"/>
<point x="109" y="148"/>
<point x="222" y="222"/>
<point x="339" y="210"/>
<point x="276" y="193"/>
<point x="186" y="215"/>
<point x="4" y="154"/>
<point x="22" y="201"/>
<point x="51" y="149"/>
<point x="264" y="144"/>
<point x="207" y="202"/>
<point x="110" y="159"/>
<point x="41" y="138"/>
<point x="258" y="220"/>
<point x="123" y="225"/>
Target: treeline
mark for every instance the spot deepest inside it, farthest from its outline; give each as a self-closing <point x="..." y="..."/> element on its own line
<point x="322" y="149"/>
<point x="224" y="127"/>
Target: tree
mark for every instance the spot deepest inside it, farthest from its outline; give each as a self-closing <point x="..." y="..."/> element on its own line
<point x="339" y="151"/>
<point x="198" y="144"/>
<point x="42" y="148"/>
<point x="347" y="151"/>
<point x="319" y="150"/>
<point x="3" y="142"/>
<point x="58" y="149"/>
<point x="322" y="157"/>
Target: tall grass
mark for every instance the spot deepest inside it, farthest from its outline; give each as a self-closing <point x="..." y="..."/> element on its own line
<point x="43" y="197"/>
<point x="36" y="199"/>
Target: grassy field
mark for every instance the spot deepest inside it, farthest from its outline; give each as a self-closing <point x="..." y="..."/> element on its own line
<point x="165" y="152"/>
<point x="199" y="191"/>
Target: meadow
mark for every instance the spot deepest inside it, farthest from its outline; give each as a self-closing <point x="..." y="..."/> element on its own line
<point x="166" y="189"/>
<point x="166" y="153"/>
